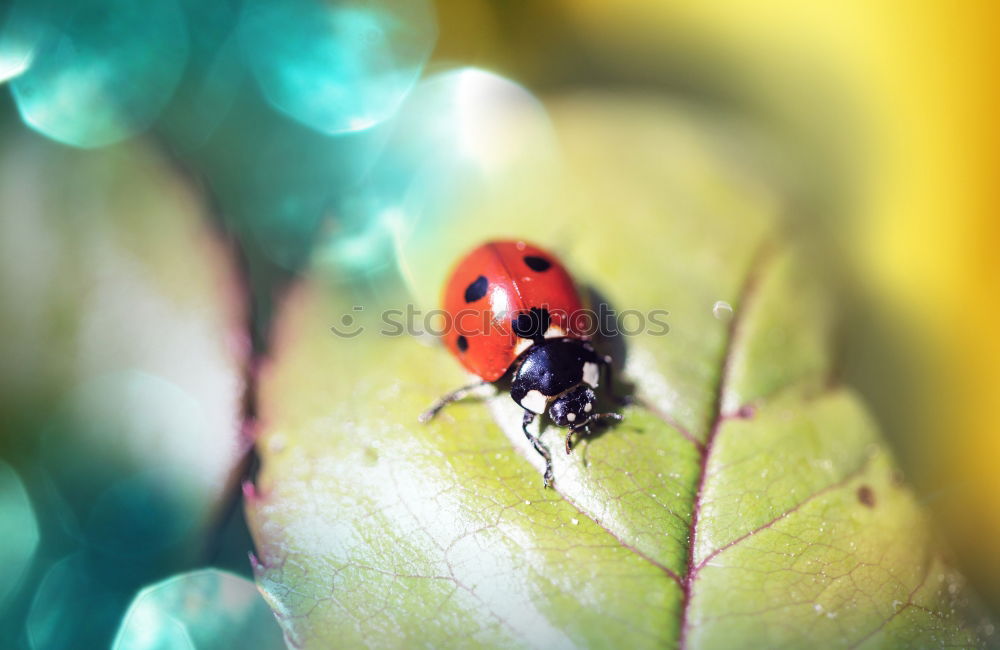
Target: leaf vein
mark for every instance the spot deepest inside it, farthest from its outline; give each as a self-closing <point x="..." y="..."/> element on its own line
<point x="815" y="495"/>
<point x="659" y="565"/>
<point x="908" y="604"/>
<point x="746" y="294"/>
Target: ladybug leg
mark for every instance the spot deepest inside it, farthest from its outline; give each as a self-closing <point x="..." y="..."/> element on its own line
<point x="453" y="396"/>
<point x="569" y="436"/>
<point x="529" y="417"/>
<point x="609" y="377"/>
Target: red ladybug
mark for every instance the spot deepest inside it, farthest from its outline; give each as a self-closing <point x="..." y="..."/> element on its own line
<point x="514" y="310"/>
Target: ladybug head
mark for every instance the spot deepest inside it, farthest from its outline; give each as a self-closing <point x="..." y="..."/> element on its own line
<point x="573" y="408"/>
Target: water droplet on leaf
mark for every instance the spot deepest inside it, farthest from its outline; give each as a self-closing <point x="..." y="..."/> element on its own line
<point x="722" y="310"/>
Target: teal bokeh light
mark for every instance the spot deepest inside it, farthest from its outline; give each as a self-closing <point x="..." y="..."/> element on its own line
<point x="201" y="609"/>
<point x="361" y="240"/>
<point x="458" y="133"/>
<point x="132" y="458"/>
<point x="20" y="531"/>
<point x="293" y="177"/>
<point x="213" y="80"/>
<point x="337" y="67"/>
<point x="18" y="41"/>
<point x="91" y="72"/>
<point x="140" y="515"/>
<point x="72" y="608"/>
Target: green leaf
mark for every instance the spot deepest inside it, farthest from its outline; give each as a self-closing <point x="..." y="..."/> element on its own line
<point x="744" y="501"/>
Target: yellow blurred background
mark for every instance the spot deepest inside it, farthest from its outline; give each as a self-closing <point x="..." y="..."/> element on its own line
<point x="889" y="111"/>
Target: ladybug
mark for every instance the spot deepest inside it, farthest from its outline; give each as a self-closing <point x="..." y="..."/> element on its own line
<point x="515" y="312"/>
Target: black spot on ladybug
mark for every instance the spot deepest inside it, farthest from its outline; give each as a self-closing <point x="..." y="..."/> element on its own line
<point x="866" y="496"/>
<point x="462" y="342"/>
<point x="531" y="324"/>
<point x="536" y="263"/>
<point x="477" y="289"/>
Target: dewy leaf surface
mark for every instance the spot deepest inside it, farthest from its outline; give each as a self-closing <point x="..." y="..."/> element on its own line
<point x="744" y="501"/>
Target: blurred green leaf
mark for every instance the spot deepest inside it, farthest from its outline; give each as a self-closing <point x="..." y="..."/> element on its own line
<point x="121" y="393"/>
<point x="745" y="501"/>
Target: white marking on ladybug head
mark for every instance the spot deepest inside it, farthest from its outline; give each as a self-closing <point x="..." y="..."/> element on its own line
<point x="588" y="407"/>
<point x="522" y="345"/>
<point x="571" y="417"/>
<point x="591" y="373"/>
<point x="535" y="402"/>
<point x="554" y="332"/>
